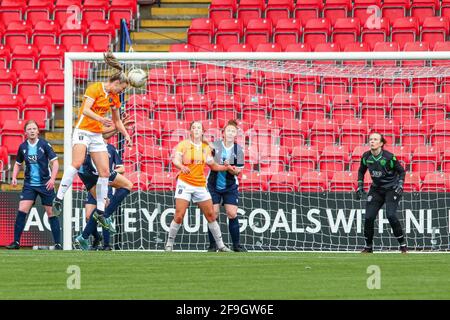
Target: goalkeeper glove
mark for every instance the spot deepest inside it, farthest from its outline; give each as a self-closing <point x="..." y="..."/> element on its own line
<point x="399" y="189"/>
<point x="360" y="193"/>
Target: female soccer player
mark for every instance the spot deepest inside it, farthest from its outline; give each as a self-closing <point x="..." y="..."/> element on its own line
<point x="99" y="98"/>
<point x="38" y="154"/>
<point x="89" y="176"/>
<point x="387" y="187"/>
<point x="223" y="186"/>
<point x="190" y="158"/>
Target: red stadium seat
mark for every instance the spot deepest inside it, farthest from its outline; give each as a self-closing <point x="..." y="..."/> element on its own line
<point x="166" y="107"/>
<point x="323" y="133"/>
<point x="336" y="9"/>
<point x="424" y="160"/>
<point x="255" y="108"/>
<point x="356" y="47"/>
<point x="434" y="29"/>
<point x="435" y="182"/>
<point x="217" y="82"/>
<point x="284" y="182"/>
<point x="313" y="181"/>
<point x="122" y="9"/>
<point x="393" y="9"/>
<point x="314" y="107"/>
<point x="81" y="68"/>
<point x="386" y="46"/>
<point x="139" y="106"/>
<point x="45" y="33"/>
<point x="307" y="9"/>
<point x="94" y="10"/>
<point x="195" y="107"/>
<point x="258" y="31"/>
<point x="440" y="134"/>
<point x="303" y="159"/>
<point x="402" y="153"/>
<point x="268" y="47"/>
<point x="187" y="82"/>
<point x="5" y="54"/>
<point x="148" y="128"/>
<point x="415" y="46"/>
<point x="284" y="106"/>
<point x="344" y="106"/>
<point x="200" y="32"/>
<point x="12" y="135"/>
<point x="303" y="85"/>
<point x="346" y="30"/>
<point x="404" y="106"/>
<point x="222" y="9"/>
<point x="287" y="31"/>
<point x="253" y="181"/>
<point x="8" y="80"/>
<point x="30" y="82"/>
<point x="412" y="182"/>
<point x="378" y="31"/>
<point x="250" y="9"/>
<point x="173" y="132"/>
<point x="424" y="86"/>
<point x="445" y="8"/>
<point x="355" y="157"/>
<point x="38" y="10"/>
<point x="67" y="11"/>
<point x="354" y="132"/>
<point x="153" y="153"/>
<point x="38" y="108"/>
<point x="344" y="181"/>
<point x="140" y="180"/>
<point x="333" y="158"/>
<point x="209" y="47"/>
<point x="374" y="107"/>
<point x="363" y="87"/>
<point x="405" y="30"/>
<point x="9" y="108"/>
<point x="298" y="47"/>
<point x="160" y="82"/>
<point x="435" y="107"/>
<point x="12" y="10"/>
<point x="179" y="47"/>
<point x="423" y="9"/>
<point x="17" y="33"/>
<point x="152" y="168"/>
<point x="73" y="34"/>
<point x="414" y="132"/>
<point x="225" y="106"/>
<point x="51" y="58"/>
<point x="390" y="87"/>
<point x="229" y="32"/>
<point x="275" y="83"/>
<point x="445" y="164"/>
<point x="279" y="9"/>
<point x="293" y="133"/>
<point x="246" y="83"/>
<point x="54" y="87"/>
<point x="100" y="35"/>
<point x="334" y="86"/>
<point x="326" y="47"/>
<point x="367" y="11"/>
<point x="441" y="46"/>
<point x="239" y="48"/>
<point x="317" y="31"/>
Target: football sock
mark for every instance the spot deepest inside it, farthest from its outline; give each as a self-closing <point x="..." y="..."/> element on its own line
<point x="116" y="200"/>
<point x="106" y="237"/>
<point x="90" y="227"/>
<point x="233" y="227"/>
<point x="56" y="229"/>
<point x="215" y="230"/>
<point x="66" y="181"/>
<point x="173" y="230"/>
<point x="102" y="193"/>
<point x="19" y="225"/>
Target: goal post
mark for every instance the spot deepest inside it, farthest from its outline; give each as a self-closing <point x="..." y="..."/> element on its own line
<point x="316" y="209"/>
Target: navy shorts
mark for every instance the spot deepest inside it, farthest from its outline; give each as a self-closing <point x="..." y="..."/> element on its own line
<point x="91" y="200"/>
<point x="31" y="193"/>
<point x="90" y="180"/>
<point x="224" y="197"/>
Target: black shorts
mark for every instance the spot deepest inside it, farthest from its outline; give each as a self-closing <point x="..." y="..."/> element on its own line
<point x="89" y="180"/>
<point x="31" y="193"/>
<point x="230" y="196"/>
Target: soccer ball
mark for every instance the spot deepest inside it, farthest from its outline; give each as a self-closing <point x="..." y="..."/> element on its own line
<point x="137" y="77"/>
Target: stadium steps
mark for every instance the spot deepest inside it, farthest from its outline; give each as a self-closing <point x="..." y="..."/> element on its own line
<point x="161" y="26"/>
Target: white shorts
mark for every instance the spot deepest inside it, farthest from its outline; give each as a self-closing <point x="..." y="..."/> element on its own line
<point x="93" y="141"/>
<point x="187" y="192"/>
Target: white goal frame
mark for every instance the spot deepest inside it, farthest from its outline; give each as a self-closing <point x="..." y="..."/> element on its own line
<point x="71" y="57"/>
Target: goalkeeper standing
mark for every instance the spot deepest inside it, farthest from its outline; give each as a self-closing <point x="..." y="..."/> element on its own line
<point x="387" y="187"/>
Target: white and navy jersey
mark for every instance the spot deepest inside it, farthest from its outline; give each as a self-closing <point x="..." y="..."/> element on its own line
<point x="37" y="158"/>
<point x="224" y="180"/>
<point x="115" y="161"/>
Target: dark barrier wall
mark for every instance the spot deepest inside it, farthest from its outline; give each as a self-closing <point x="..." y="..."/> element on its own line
<point x="269" y="221"/>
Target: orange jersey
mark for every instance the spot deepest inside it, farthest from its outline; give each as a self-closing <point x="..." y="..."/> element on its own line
<point x="194" y="157"/>
<point x="103" y="102"/>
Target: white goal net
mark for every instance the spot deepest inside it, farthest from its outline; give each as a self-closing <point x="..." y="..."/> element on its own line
<point x="304" y="121"/>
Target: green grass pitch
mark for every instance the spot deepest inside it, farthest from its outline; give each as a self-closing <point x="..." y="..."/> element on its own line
<point x="28" y="274"/>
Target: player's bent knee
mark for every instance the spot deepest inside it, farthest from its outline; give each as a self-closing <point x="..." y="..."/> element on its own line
<point x="178" y="219"/>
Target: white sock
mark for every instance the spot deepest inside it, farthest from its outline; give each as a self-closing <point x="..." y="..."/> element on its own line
<point x="66" y="181"/>
<point x="217" y="234"/>
<point x="102" y="193"/>
<point x="173" y="230"/>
